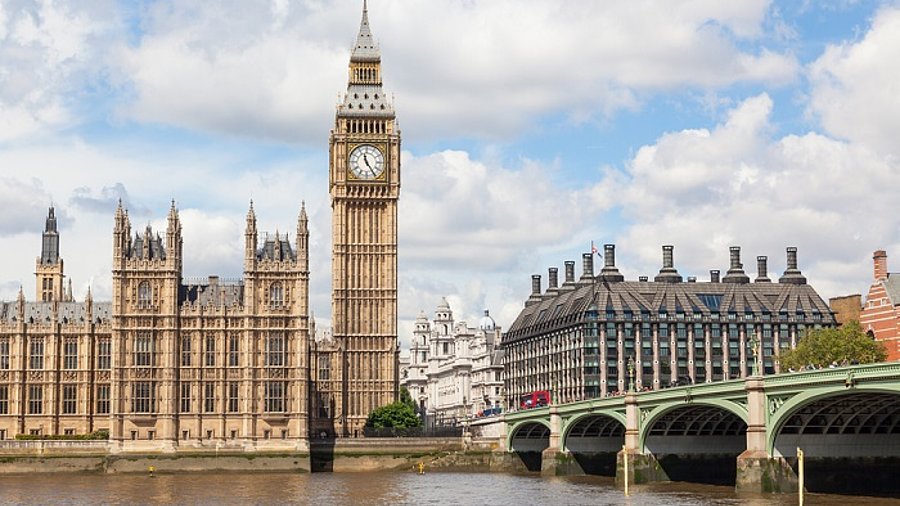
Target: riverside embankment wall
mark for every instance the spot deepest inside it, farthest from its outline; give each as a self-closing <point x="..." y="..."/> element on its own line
<point x="363" y="455"/>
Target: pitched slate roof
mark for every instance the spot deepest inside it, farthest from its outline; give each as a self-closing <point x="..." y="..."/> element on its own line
<point x="892" y="287"/>
<point x="649" y="299"/>
<point x="68" y="312"/>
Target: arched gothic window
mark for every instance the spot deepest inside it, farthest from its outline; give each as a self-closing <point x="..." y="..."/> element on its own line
<point x="145" y="294"/>
<point x="276" y="295"/>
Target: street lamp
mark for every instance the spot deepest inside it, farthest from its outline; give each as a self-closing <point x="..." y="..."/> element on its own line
<point x="754" y="345"/>
<point x="631" y="373"/>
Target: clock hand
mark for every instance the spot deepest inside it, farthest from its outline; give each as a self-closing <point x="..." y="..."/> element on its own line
<point x="366" y="159"/>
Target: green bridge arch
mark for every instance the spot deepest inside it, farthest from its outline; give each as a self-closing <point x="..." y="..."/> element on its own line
<point x="661" y="410"/>
<point x="572" y="421"/>
<point x="515" y="429"/>
<point x="790" y="406"/>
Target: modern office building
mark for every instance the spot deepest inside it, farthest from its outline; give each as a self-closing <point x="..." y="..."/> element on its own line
<point x="577" y="339"/>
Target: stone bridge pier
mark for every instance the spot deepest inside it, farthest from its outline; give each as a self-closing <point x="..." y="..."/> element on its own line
<point x="642" y="466"/>
<point x="757" y="470"/>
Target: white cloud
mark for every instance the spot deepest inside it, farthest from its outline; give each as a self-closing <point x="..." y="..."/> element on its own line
<point x="49" y="49"/>
<point x="465" y="69"/>
<point x="86" y="181"/>
<point x="855" y="85"/>
<point x="736" y="185"/>
<point x="457" y="212"/>
<point x="24" y="203"/>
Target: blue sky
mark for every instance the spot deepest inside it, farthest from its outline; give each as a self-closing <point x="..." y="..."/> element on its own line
<point x="530" y="128"/>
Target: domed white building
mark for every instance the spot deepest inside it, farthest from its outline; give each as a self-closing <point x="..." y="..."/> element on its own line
<point x="454" y="370"/>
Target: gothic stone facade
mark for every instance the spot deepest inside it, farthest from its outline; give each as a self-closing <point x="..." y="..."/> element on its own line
<point x="578" y="339"/>
<point x="357" y="370"/>
<point x="166" y="364"/>
<point x="169" y="363"/>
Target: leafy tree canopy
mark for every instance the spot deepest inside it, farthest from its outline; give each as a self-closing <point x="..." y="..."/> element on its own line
<point x="407" y="399"/>
<point x="397" y="415"/>
<point x="823" y="347"/>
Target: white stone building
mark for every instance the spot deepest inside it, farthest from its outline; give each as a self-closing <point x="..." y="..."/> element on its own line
<point x="454" y="369"/>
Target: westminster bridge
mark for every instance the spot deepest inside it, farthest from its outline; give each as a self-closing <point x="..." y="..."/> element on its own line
<point x="744" y="432"/>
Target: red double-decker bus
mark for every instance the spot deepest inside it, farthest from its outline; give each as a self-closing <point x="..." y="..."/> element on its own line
<point x="536" y="399"/>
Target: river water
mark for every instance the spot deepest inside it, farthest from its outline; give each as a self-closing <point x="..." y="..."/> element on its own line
<point x="376" y="488"/>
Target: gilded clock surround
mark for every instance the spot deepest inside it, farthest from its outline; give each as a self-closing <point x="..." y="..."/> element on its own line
<point x="381" y="176"/>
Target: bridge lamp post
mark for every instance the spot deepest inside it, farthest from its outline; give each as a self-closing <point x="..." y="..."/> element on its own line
<point x="754" y="345"/>
<point x="631" y="373"/>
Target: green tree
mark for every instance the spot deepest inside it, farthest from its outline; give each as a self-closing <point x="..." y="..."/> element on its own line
<point x="823" y="347"/>
<point x="407" y="399"/>
<point x="397" y="415"/>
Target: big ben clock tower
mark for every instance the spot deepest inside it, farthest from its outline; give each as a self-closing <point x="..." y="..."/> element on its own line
<point x="364" y="176"/>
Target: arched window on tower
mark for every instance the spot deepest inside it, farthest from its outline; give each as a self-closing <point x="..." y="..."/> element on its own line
<point x="276" y="295"/>
<point x="145" y="294"/>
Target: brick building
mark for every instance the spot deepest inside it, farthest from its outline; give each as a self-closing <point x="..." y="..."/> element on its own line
<point x="846" y="308"/>
<point x="881" y="313"/>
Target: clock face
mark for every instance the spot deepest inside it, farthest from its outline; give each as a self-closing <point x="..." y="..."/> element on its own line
<point x="366" y="162"/>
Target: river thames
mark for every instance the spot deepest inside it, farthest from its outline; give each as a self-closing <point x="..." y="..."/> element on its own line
<point x="361" y="489"/>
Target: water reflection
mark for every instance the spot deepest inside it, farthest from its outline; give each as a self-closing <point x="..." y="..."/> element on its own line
<point x="375" y="488"/>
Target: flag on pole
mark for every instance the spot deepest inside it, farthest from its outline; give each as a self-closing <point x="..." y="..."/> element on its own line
<point x="593" y="249"/>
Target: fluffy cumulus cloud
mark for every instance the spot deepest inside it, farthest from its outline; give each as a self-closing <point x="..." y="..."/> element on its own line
<point x="458" y="212"/>
<point x="49" y="49"/>
<point x="736" y="184"/>
<point x="86" y="183"/>
<point x="25" y="202"/>
<point x="855" y="85"/>
<point x="268" y="68"/>
<point x="272" y="69"/>
<point x="472" y="230"/>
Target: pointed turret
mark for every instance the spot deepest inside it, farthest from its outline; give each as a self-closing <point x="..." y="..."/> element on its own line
<point x="250" y="240"/>
<point x="303" y="238"/>
<point x="364" y="94"/>
<point x="50" y="243"/>
<point x="174" y="239"/>
<point x="69" y="297"/>
<point x="20" y="304"/>
<point x="121" y="233"/>
<point x="365" y="49"/>
<point x="49" y="266"/>
<point x="89" y="304"/>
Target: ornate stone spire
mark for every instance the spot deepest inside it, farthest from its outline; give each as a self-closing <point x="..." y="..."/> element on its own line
<point x="50" y="243"/>
<point x="365" y="48"/>
<point x="303" y="238"/>
<point x="302" y="220"/>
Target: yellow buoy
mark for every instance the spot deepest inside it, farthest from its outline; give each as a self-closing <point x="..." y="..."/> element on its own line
<point x="151" y="470"/>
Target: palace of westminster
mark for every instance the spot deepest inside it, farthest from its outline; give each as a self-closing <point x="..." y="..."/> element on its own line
<point x="168" y="364"/>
